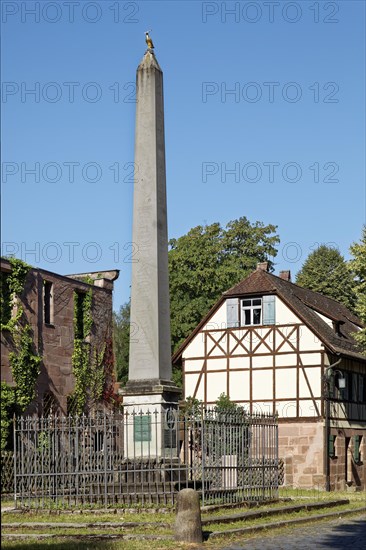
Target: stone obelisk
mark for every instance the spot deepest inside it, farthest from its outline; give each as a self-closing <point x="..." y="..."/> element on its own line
<point x="149" y="387"/>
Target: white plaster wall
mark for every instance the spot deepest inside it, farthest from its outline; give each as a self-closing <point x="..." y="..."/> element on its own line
<point x="239" y="386"/>
<point x="284" y="315"/>
<point x="190" y="382"/>
<point x="239" y="363"/>
<point x="286" y="383"/>
<point x="263" y="407"/>
<point x="216" y="343"/>
<point x="193" y="365"/>
<point x="218" y="319"/>
<point x="262" y="334"/>
<point x="286" y="409"/>
<point x="286" y="338"/>
<point x="262" y="385"/>
<point x="234" y="347"/>
<point x="216" y="364"/>
<point x="262" y="361"/>
<point x="286" y="360"/>
<point x="307" y="407"/>
<point x="308" y="340"/>
<point x="314" y="378"/>
<point x="311" y="358"/>
<point x="196" y="347"/>
<point x="216" y="385"/>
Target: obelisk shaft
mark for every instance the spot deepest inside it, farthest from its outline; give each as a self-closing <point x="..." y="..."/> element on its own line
<point x="150" y="350"/>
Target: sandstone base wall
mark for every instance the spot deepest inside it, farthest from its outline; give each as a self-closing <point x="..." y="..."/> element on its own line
<point x="301" y="447"/>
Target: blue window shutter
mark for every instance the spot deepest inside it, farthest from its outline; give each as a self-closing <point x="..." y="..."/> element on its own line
<point x="269" y="310"/>
<point x="232" y="312"/>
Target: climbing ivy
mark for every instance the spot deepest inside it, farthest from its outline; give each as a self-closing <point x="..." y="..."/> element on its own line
<point x="12" y="285"/>
<point x="93" y="368"/>
<point x="7" y="408"/>
<point x="5" y="300"/>
<point x="109" y="372"/>
<point x="80" y="366"/>
<point x="24" y="361"/>
<point x="83" y="322"/>
<point x="25" y="366"/>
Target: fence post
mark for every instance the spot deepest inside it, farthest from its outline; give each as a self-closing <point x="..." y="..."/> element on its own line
<point x="15" y="460"/>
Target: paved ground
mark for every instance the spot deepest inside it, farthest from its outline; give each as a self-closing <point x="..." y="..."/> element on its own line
<point x="336" y="535"/>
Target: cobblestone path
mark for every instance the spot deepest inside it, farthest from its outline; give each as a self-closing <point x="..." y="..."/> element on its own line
<point x="337" y="534"/>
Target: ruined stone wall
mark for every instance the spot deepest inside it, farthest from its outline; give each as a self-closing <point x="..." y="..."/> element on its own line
<point x="54" y="342"/>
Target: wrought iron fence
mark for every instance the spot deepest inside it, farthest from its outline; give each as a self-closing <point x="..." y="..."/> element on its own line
<point x="7" y="472"/>
<point x="145" y="457"/>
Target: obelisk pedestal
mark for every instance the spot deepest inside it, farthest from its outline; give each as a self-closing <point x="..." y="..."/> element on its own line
<point x="149" y="393"/>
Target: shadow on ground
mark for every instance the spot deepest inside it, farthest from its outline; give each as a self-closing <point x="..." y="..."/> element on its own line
<point x="347" y="535"/>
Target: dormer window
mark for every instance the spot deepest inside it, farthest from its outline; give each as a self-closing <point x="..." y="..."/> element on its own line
<point x="251" y="311"/>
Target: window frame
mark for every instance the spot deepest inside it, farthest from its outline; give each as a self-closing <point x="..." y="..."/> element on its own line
<point x="251" y="308"/>
<point x="48" y="311"/>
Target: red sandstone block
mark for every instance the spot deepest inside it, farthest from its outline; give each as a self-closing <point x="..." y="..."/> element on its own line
<point x="299" y="459"/>
<point x="299" y="440"/>
<point x="310" y="470"/>
<point x="305" y="481"/>
<point x="286" y="430"/>
<point x="311" y="429"/>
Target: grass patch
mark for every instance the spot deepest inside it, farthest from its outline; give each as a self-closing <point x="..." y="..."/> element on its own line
<point x="66" y="544"/>
<point x="85" y="517"/>
<point x="280" y="517"/>
<point x="72" y="537"/>
<point x="141" y="530"/>
<point x="317" y="494"/>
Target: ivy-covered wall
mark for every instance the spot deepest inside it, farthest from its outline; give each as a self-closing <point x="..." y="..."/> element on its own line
<point x="56" y="343"/>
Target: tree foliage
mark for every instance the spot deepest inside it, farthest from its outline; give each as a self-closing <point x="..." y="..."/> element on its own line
<point x="326" y="271"/>
<point x="209" y="260"/>
<point x="7" y="408"/>
<point x="121" y="337"/>
<point x="202" y="264"/>
<point x="225" y="406"/>
<point x="357" y="266"/>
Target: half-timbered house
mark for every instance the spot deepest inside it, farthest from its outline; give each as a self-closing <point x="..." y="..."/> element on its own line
<point x="271" y="345"/>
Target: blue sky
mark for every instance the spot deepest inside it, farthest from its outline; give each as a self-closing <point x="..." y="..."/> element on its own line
<point x="264" y="118"/>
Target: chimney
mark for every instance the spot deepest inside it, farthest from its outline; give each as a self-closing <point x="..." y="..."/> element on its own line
<point x="285" y="275"/>
<point x="262" y="266"/>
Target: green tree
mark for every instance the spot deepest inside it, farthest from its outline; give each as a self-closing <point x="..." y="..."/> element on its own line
<point x="224" y="405"/>
<point x="358" y="267"/>
<point x="121" y="337"/>
<point x="326" y="271"/>
<point x="209" y="260"/>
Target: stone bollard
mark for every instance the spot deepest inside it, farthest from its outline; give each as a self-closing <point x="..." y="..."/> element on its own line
<point x="188" y="527"/>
